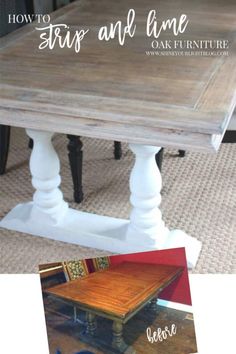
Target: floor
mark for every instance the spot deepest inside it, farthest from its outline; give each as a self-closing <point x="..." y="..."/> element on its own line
<point x="70" y="337"/>
<point x="198" y="196"/>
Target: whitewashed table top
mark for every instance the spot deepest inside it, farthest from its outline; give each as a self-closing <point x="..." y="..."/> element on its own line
<point x="118" y="92"/>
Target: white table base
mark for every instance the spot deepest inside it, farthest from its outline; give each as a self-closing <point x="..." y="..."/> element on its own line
<point x="48" y="215"/>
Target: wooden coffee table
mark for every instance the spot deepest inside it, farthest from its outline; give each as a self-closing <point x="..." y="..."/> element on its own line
<point x="119" y="93"/>
<point x="116" y="293"/>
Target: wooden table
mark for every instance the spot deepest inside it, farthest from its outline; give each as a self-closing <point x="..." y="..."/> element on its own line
<point x="116" y="293"/>
<point x="117" y="92"/>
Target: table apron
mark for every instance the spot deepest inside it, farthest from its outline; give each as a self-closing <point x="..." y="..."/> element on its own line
<point x="105" y="314"/>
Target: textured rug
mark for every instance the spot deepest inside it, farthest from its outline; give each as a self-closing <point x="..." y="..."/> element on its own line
<point x="198" y="196"/>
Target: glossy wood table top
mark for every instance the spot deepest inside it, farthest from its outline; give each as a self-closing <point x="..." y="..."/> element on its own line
<point x="118" y="92"/>
<point x="119" y="291"/>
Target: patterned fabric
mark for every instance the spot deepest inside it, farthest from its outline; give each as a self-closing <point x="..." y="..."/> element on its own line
<point x="76" y="269"/>
<point x="101" y="263"/>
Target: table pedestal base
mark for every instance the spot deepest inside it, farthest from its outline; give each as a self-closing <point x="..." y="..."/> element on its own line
<point x="91" y="230"/>
<point x="48" y="214"/>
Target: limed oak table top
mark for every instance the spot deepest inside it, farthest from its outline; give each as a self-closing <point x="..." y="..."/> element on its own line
<point x="118" y="291"/>
<point x="118" y="92"/>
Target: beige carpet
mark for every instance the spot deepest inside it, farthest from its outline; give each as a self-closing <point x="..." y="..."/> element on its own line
<point x="199" y="196"/>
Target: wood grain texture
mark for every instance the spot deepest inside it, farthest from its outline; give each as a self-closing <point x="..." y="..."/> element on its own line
<point x="119" y="290"/>
<point x="120" y="93"/>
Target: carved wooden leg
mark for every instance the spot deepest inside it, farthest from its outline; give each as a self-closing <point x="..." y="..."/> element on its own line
<point x="75" y="313"/>
<point x="146" y="224"/>
<point x="118" y="341"/>
<point x="153" y="304"/>
<point x="30" y="144"/>
<point x="181" y="153"/>
<point x="91" y="323"/>
<point x="117" y="150"/>
<point x="75" y="148"/>
<point x="159" y="158"/>
<point x="146" y="227"/>
<point x="44" y="166"/>
<point x="4" y="147"/>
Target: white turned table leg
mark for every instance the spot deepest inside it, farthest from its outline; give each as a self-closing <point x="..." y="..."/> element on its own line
<point x="48" y="203"/>
<point x="147" y="228"/>
<point x="146" y="224"/>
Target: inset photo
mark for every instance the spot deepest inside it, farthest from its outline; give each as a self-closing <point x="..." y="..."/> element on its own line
<point x="131" y="303"/>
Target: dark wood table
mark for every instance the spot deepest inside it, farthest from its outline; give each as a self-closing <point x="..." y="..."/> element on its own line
<point x="119" y="93"/>
<point x="116" y="293"/>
